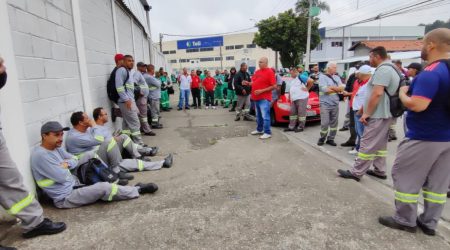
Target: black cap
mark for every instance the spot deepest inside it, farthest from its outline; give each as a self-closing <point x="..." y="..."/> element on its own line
<point x="416" y="66"/>
<point x="141" y="64"/>
<point x="52" y="126"/>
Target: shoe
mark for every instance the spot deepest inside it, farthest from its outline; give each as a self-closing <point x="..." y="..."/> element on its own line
<point x="187" y="108"/>
<point x="179" y="109"/>
<point x="47" y="227"/>
<point x="353" y="152"/>
<point x="348" y="144"/>
<point x="346" y="174"/>
<point x="154" y="151"/>
<point x="148" y="188"/>
<point x="392" y="138"/>
<point x="343" y="129"/>
<point x="7" y="248"/>
<point x="122" y="182"/>
<point x="425" y="229"/>
<point x="256" y="132"/>
<point x="195" y="107"/>
<point x="206" y="107"/>
<point x="288" y="130"/>
<point x="214" y="107"/>
<point x="298" y="130"/>
<point x="123" y="175"/>
<point x="238" y="118"/>
<point x="265" y="136"/>
<point x="157" y="126"/>
<point x="320" y="142"/>
<point x="374" y="174"/>
<point x="390" y="222"/>
<point x="448" y="194"/>
<point x="168" y="161"/>
<point x="247" y="119"/>
<point x="232" y="110"/>
<point x="151" y="133"/>
<point x="331" y="143"/>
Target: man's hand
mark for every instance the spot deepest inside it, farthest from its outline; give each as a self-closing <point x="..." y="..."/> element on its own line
<point x="65" y="165"/>
<point x="364" y="119"/>
<point x="117" y="138"/>
<point x="245" y="83"/>
<point x="258" y="92"/>
<point x="244" y="92"/>
<point x="128" y="104"/>
<point x="404" y="90"/>
<point x="304" y="89"/>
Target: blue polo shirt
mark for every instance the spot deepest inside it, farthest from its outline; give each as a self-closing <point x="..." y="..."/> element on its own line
<point x="432" y="124"/>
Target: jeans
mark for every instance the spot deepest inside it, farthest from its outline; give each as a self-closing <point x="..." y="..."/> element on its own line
<point x="184" y="95"/>
<point x="359" y="130"/>
<point x="263" y="116"/>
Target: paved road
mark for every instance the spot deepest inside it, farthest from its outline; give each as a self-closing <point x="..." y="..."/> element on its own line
<point x="229" y="190"/>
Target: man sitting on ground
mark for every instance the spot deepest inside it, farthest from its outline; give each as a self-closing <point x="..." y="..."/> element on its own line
<point x="50" y="164"/>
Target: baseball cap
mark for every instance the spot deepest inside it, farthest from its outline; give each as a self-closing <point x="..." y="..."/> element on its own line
<point x="141" y="64"/>
<point x="416" y="66"/>
<point x="52" y="126"/>
<point x="365" y="69"/>
<point x="118" y="57"/>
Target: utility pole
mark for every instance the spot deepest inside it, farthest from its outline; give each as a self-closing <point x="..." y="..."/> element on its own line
<point x="276" y="60"/>
<point x="221" y="58"/>
<point x="160" y="42"/>
<point x="343" y="41"/>
<point x="308" y="38"/>
<point x="147" y="11"/>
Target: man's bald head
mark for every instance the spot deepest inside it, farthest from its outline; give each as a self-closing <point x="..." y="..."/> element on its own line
<point x="263" y="62"/>
<point x="436" y="42"/>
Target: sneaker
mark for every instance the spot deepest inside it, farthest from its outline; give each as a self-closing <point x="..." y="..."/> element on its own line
<point x="123" y="175"/>
<point x="168" y="161"/>
<point x="256" y="132"/>
<point x="331" y="143"/>
<point x="353" y="152"/>
<point x="147" y="188"/>
<point x="213" y="107"/>
<point x="46" y="227"/>
<point x="388" y="221"/>
<point x="375" y="174"/>
<point x="346" y="174"/>
<point x="206" y="107"/>
<point x="425" y="229"/>
<point x="265" y="136"/>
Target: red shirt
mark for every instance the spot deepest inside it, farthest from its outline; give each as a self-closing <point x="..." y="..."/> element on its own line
<point x="209" y="83"/>
<point x="195" y="84"/>
<point x="356" y="85"/>
<point x="263" y="78"/>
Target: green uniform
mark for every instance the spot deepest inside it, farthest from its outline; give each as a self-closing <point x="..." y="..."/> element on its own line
<point x="165" y="102"/>
<point x="202" y="91"/>
<point x="218" y="92"/>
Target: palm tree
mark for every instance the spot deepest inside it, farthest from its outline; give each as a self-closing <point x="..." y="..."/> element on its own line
<point x="302" y="6"/>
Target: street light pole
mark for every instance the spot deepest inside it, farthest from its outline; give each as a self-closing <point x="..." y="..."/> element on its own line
<point x="147" y="10"/>
<point x="308" y="38"/>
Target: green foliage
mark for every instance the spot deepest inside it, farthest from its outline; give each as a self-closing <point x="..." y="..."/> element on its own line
<point x="436" y="24"/>
<point x="302" y="6"/>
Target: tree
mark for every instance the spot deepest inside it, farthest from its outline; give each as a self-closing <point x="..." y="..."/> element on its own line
<point x="286" y="34"/>
<point x="302" y="6"/>
<point x="436" y="24"/>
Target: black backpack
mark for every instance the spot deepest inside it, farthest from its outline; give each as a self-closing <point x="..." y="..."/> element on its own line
<point x="395" y="104"/>
<point x="447" y="62"/>
<point x="94" y="171"/>
<point x="111" y="86"/>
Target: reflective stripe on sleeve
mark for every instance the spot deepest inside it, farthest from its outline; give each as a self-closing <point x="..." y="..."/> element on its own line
<point x="45" y="183"/>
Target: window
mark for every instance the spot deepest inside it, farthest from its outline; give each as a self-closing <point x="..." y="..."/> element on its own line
<point x="191" y="50"/>
<point x="184" y="60"/>
<point x="165" y="52"/>
<point x="229" y="58"/>
<point x="319" y="46"/>
<point x="251" y="46"/>
<point x="173" y="61"/>
<point x="206" y="49"/>
<point x="336" y="44"/>
<point x="173" y="52"/>
<point x="238" y="46"/>
<point x="218" y="59"/>
<point x="229" y="47"/>
<point x="207" y="59"/>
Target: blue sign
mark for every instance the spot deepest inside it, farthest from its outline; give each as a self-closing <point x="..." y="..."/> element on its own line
<point x="200" y="43"/>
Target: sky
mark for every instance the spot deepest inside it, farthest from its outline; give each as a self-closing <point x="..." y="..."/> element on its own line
<point x="203" y="17"/>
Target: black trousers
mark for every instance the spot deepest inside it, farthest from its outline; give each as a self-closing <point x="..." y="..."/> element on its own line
<point x="209" y="98"/>
<point x="196" y="97"/>
<point x="352" y="127"/>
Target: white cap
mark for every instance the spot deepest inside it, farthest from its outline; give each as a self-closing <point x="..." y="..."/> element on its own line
<point x="365" y="69"/>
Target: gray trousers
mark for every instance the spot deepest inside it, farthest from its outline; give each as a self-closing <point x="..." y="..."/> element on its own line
<point x="243" y="105"/>
<point x="154" y="109"/>
<point x="328" y="121"/>
<point x="373" y="147"/>
<point x="142" y="107"/>
<point x="298" y="113"/>
<point x="99" y="191"/>
<point x="392" y="127"/>
<point x="131" y="125"/>
<point x="124" y="142"/>
<point x="14" y="197"/>
<point x="421" y="165"/>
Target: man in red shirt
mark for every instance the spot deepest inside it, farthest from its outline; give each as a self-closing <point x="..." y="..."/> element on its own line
<point x="209" y="84"/>
<point x="263" y="82"/>
<point x="195" y="89"/>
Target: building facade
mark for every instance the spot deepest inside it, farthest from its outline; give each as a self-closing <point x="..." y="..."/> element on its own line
<point x="213" y="53"/>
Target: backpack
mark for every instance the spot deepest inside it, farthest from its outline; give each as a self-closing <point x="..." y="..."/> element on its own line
<point x="94" y="171"/>
<point x="447" y="62"/>
<point x="395" y="104"/>
<point x="111" y="86"/>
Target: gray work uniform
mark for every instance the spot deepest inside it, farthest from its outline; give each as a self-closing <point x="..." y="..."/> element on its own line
<point x="130" y="125"/>
<point x="107" y="150"/>
<point x="124" y="142"/>
<point x="58" y="183"/>
<point x="299" y="102"/>
<point x="329" y="106"/>
<point x="374" y="141"/>
<point x="154" y="97"/>
<point x="142" y="100"/>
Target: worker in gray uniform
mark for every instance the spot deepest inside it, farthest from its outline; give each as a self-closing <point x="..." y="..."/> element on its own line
<point x="154" y="96"/>
<point x="124" y="142"/>
<point x="423" y="157"/>
<point x="376" y="117"/>
<point x="14" y="196"/>
<point x="142" y="99"/>
<point x="51" y="166"/>
<point x="125" y="89"/>
<point x="84" y="138"/>
<point x="329" y="86"/>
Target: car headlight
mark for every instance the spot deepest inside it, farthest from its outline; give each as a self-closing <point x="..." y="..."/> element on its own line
<point x="284" y="106"/>
<point x="308" y="106"/>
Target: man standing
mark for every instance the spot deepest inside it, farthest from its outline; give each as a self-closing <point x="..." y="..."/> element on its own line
<point x="139" y="77"/>
<point x="329" y="85"/>
<point x="263" y="82"/>
<point x="115" y="111"/>
<point x="231" y="93"/>
<point x="209" y="85"/>
<point x="376" y="117"/>
<point x="423" y="157"/>
<point x="242" y="84"/>
<point x="154" y="86"/>
<point x="165" y="84"/>
<point x="218" y="91"/>
<point x="185" y="81"/>
<point x="14" y="197"/>
<point x="125" y="89"/>
<point x="195" y="89"/>
<point x="299" y="94"/>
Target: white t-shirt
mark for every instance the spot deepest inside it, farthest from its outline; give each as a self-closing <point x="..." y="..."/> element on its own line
<point x="296" y="91"/>
<point x="360" y="98"/>
<point x="185" y="82"/>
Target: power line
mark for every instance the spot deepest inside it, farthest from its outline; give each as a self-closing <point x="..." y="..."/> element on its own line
<point x="205" y="35"/>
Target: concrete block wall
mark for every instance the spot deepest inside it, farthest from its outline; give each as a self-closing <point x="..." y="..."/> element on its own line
<point x="124" y="30"/>
<point x="138" y="38"/>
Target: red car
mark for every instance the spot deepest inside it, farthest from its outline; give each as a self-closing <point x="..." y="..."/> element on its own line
<point x="281" y="109"/>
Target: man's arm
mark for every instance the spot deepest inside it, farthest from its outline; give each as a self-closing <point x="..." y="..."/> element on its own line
<point x="422" y="93"/>
<point x="121" y="76"/>
<point x="413" y="103"/>
<point x="374" y="99"/>
<point x="323" y="86"/>
<point x="50" y="167"/>
<point x="71" y="160"/>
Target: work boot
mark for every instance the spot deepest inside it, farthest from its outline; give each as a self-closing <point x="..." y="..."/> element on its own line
<point x="147" y="188"/>
<point x="375" y="174"/>
<point x="168" y="161"/>
<point x="288" y="130"/>
<point x="122" y="182"/>
<point x="331" y="143"/>
<point x="343" y="129"/>
<point x="157" y="126"/>
<point x="238" y="118"/>
<point x="298" y="130"/>
<point x="388" y="221"/>
<point x="151" y="133"/>
<point x="233" y="108"/>
<point x="7" y="248"/>
<point x="246" y="118"/>
<point x="154" y="151"/>
<point x="425" y="229"/>
<point x="348" y="144"/>
<point x="346" y="174"/>
<point x="123" y="175"/>
<point x="46" y="227"/>
<point x="321" y="141"/>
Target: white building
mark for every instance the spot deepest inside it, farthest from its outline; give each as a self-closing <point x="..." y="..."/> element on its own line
<point x="59" y="54"/>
